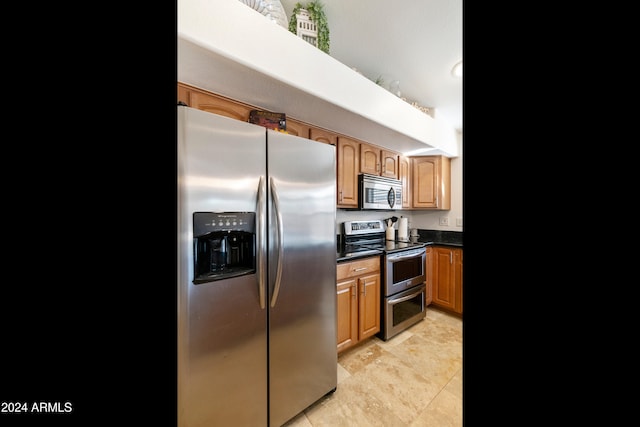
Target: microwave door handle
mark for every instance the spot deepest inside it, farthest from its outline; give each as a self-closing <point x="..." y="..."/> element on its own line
<point x="403" y="299"/>
<point x="276" y="204"/>
<point x="262" y="271"/>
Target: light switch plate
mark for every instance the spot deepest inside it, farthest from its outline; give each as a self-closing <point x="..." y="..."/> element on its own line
<point x="444" y="220"/>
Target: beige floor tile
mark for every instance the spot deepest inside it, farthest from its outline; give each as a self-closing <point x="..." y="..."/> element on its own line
<point x="300" y="421"/>
<point x="342" y="374"/>
<point x="414" y="379"/>
<point x="353" y="404"/>
<point x="445" y="410"/>
<point x="455" y="385"/>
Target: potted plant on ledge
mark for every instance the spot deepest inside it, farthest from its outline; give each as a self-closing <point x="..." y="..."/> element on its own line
<point x="315" y="12"/>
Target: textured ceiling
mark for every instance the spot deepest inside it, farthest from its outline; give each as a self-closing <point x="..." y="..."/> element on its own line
<point x="413" y="42"/>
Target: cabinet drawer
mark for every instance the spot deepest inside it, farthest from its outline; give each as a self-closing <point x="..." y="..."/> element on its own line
<point x="357" y="268"/>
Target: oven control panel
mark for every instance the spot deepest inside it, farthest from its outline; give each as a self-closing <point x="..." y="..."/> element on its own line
<point x="363" y="227"/>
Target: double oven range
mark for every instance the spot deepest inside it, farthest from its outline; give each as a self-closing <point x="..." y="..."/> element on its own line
<point x="403" y="273"/>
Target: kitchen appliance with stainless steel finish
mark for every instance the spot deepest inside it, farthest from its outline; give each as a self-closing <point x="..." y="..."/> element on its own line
<point x="403" y="274"/>
<point x="403" y="301"/>
<point x="256" y="272"/>
<point x="379" y="192"/>
<point x="369" y="235"/>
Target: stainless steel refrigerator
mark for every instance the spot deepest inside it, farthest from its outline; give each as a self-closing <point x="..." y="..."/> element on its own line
<point x="256" y="321"/>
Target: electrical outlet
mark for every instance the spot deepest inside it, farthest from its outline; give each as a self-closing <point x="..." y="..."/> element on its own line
<point x="459" y="222"/>
<point x="444" y="220"/>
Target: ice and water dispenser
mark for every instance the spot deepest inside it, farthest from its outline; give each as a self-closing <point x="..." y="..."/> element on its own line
<point x="224" y="245"/>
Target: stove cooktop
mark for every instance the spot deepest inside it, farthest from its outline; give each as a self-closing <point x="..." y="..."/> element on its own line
<point x="389" y="246"/>
<point x="356" y="252"/>
<point x="397" y="245"/>
<point x="363" y="237"/>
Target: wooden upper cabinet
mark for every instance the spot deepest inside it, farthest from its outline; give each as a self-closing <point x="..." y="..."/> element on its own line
<point x="222" y="106"/>
<point x="322" y="135"/>
<point x="404" y="173"/>
<point x="431" y="182"/>
<point x="217" y="104"/>
<point x="369" y="159"/>
<point x="377" y="161"/>
<point x="183" y="94"/>
<point x="297" y="128"/>
<point x="206" y="101"/>
<point x="390" y="165"/>
<point x="348" y="166"/>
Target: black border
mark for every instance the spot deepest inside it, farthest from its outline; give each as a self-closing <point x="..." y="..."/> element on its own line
<point x="88" y="303"/>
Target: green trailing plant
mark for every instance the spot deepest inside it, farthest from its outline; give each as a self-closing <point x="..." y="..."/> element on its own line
<point x="316" y="14"/>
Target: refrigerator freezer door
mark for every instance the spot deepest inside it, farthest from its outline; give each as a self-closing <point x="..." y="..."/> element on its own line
<point x="222" y="329"/>
<point x="302" y="318"/>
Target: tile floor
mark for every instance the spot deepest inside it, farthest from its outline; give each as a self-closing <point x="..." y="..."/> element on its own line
<point x="412" y="380"/>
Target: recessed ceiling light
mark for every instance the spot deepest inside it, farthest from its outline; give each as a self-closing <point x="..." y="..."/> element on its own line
<point x="456" y="71"/>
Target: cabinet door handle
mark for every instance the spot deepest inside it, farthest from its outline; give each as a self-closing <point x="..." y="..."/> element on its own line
<point x="353" y="291"/>
<point x="360" y="269"/>
<point x="450" y="257"/>
<point x="364" y="287"/>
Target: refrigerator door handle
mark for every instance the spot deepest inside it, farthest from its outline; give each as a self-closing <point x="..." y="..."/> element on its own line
<point x="276" y="203"/>
<point x="261" y="241"/>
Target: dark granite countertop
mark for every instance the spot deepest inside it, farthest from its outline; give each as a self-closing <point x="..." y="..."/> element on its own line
<point x="430" y="243"/>
<point x="341" y="257"/>
<point x="439" y="238"/>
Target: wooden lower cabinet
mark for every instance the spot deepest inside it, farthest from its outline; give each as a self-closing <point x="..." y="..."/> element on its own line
<point x="428" y="270"/>
<point x="358" y="301"/>
<point x="347" y="313"/>
<point x="444" y="276"/>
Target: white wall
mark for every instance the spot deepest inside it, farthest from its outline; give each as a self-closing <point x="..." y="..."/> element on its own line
<point x="429" y="220"/>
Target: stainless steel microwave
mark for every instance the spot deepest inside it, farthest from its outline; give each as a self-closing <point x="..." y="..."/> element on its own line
<point x="379" y="193"/>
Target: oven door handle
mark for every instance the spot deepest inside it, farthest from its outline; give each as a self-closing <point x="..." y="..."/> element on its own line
<point x="392" y="301"/>
<point x="394" y="258"/>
